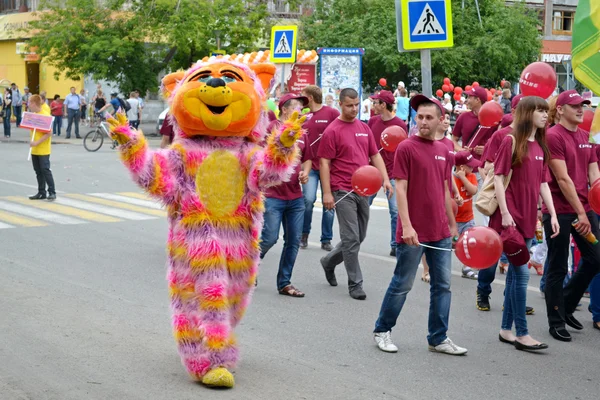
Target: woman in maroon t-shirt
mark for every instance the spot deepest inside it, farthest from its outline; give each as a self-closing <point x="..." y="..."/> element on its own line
<point x="517" y="206"/>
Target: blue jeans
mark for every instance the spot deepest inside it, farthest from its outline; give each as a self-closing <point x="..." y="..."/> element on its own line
<point x="393" y="206"/>
<point x="595" y="298"/>
<point x="408" y="258"/>
<point x="515" y="296"/>
<point x="6" y="122"/>
<point x="17" y="110"/>
<point x="56" y="127"/>
<point x="486" y="277"/>
<point x="310" y="196"/>
<point x="288" y="213"/>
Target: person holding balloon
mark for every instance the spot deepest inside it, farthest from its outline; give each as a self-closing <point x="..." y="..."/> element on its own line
<point x="516" y="215"/>
<point x="383" y="103"/>
<point x="574" y="166"/>
<point x="422" y="173"/>
<point x="347" y="145"/>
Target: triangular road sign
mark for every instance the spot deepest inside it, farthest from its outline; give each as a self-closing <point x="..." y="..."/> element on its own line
<point x="283" y="47"/>
<point x="428" y="23"/>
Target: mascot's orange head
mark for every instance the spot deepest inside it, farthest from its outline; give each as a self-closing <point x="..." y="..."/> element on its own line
<point x="219" y="98"/>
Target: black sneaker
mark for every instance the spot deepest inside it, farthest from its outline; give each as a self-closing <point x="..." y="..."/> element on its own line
<point x="560" y="334"/>
<point x="393" y="252"/>
<point x="329" y="275"/>
<point x="326" y="246"/>
<point x="304" y="241"/>
<point x="572" y="322"/>
<point x="483" y="302"/>
<point x="39" y="196"/>
<point x="529" y="310"/>
<point x="358" y="293"/>
<point x="52" y="197"/>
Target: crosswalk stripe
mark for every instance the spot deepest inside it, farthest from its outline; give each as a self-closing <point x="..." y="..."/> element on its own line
<point x="136" y="195"/>
<point x="43" y="215"/>
<point x="112" y="203"/>
<point x="137" y="202"/>
<point x="125" y="214"/>
<point x="5" y="226"/>
<point x="19" y="220"/>
<point x="90" y="216"/>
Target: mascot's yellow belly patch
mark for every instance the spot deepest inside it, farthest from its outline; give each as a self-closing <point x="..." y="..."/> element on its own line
<point x="220" y="183"/>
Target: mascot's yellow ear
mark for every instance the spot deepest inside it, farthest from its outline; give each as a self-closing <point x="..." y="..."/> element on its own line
<point x="265" y="73"/>
<point x="170" y="81"/>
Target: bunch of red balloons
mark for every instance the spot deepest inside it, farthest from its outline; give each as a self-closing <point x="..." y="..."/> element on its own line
<point x="448" y="87"/>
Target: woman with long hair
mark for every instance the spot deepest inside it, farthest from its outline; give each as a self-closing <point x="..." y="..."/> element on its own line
<point x="518" y="204"/>
<point x="6" y="111"/>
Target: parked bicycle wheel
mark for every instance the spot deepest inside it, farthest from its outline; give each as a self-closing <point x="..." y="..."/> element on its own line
<point x="93" y="140"/>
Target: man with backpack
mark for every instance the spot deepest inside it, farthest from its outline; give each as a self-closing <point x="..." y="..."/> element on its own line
<point x="115" y="102"/>
<point x="72" y="108"/>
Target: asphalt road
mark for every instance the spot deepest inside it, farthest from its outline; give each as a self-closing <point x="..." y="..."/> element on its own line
<point x="84" y="311"/>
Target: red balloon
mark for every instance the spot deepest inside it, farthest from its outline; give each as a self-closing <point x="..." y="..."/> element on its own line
<point x="538" y="79"/>
<point x="446" y="81"/>
<point x="490" y="114"/>
<point x="475" y="84"/>
<point x="456" y="96"/>
<point x="366" y="180"/>
<point x="479" y="247"/>
<point x="468" y="88"/>
<point x="458" y="90"/>
<point x="492" y="91"/>
<point x="391" y="137"/>
<point x="502" y="82"/>
<point x="451" y="87"/>
<point x="588" y="117"/>
<point x="490" y="97"/>
<point x="594" y="196"/>
<point x="383" y="82"/>
<point x="445" y="88"/>
<point x="439" y="93"/>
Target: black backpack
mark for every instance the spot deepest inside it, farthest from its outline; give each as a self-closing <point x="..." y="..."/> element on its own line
<point x="124" y="104"/>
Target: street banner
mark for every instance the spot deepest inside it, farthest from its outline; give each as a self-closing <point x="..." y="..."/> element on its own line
<point x="586" y="44"/>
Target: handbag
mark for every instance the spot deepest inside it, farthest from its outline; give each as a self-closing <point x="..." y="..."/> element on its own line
<point x="486" y="202"/>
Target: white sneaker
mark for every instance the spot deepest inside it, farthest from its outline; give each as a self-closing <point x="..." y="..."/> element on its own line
<point x="384" y="342"/>
<point x="448" y="347"/>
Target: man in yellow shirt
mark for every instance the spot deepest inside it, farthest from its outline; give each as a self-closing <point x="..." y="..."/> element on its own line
<point x="40" y="153"/>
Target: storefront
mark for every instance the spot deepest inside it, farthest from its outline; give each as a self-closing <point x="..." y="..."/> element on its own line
<point x="23" y="68"/>
<point x="558" y="54"/>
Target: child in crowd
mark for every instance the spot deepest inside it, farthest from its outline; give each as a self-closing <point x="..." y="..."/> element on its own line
<point x="466" y="182"/>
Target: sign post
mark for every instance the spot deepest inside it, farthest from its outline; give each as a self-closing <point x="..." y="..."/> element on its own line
<point x="424" y="25"/>
<point x="284" y="40"/>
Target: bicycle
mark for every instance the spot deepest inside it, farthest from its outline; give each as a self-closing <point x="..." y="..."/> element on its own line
<point x="94" y="139"/>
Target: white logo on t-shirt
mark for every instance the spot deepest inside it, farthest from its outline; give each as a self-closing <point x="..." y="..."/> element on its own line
<point x="585" y="146"/>
<point x="440" y="158"/>
<point x="321" y="121"/>
<point x="539" y="158"/>
<point x="361" y="134"/>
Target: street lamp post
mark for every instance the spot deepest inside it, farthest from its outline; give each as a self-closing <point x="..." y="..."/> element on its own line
<point x="218" y="37"/>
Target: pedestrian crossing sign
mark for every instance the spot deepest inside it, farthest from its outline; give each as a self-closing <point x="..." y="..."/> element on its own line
<point x="427" y="24"/>
<point x="283" y="44"/>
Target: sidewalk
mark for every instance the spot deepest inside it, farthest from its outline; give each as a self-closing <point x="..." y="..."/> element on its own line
<point x="20" y="135"/>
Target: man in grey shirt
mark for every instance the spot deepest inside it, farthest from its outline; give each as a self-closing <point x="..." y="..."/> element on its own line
<point x="17" y="102"/>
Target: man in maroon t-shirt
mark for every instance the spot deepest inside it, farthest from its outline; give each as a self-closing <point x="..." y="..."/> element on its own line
<point x="383" y="104"/>
<point x="573" y="168"/>
<point x="317" y="120"/>
<point x="167" y="132"/>
<point x="347" y="145"/>
<point x="425" y="211"/>
<point x="285" y="204"/>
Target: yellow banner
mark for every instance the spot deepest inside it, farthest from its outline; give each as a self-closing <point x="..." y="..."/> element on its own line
<point x="11" y="23"/>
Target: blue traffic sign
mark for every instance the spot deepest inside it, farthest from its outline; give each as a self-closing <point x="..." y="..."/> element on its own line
<point x="283" y="44"/>
<point x="426" y="24"/>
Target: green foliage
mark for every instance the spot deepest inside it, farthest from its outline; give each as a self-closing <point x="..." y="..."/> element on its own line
<point x="507" y="42"/>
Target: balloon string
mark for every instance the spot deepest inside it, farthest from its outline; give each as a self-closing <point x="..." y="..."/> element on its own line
<point x="319" y="138"/>
<point x="379" y="151"/>
<point x="344" y="196"/>
<point x="474" y="137"/>
<point x="435" y="248"/>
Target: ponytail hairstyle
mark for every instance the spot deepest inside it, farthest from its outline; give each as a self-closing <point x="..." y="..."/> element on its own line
<point x="523" y="123"/>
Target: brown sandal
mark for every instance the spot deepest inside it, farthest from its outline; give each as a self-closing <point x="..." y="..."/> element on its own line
<point x="289" y="290"/>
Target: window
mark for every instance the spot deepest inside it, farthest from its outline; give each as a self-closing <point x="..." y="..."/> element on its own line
<point x="8" y="6"/>
<point x="562" y="22"/>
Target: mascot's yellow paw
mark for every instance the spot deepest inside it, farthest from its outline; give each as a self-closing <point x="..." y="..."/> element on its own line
<point x="293" y="130"/>
<point x="219" y="377"/>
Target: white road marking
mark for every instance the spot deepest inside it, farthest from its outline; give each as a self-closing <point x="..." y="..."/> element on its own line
<point x="5" y="226"/>
<point x="125" y="214"/>
<point x="130" y="200"/>
<point x="39" y="214"/>
<point x="24" y="185"/>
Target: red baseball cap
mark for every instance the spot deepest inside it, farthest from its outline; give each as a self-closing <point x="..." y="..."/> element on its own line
<point x="570" y="97"/>
<point x="466" y="158"/>
<point x="292" y="96"/>
<point x="514" y="246"/>
<point x="478" y="92"/>
<point x="419" y="99"/>
<point x="515" y="101"/>
<point x="386" y="96"/>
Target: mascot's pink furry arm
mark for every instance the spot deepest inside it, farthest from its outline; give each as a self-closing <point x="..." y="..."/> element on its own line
<point x="210" y="179"/>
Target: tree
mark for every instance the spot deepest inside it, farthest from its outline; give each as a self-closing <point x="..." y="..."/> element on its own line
<point x="487" y="53"/>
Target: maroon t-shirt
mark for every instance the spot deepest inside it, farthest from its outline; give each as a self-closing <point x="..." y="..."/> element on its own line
<point x="493" y="145"/>
<point x="377" y="126"/>
<point x="349" y="146"/>
<point x="575" y="149"/>
<point x="167" y="128"/>
<point x="523" y="191"/>
<point x="290" y="190"/>
<point x="467" y="128"/>
<point x="315" y="126"/>
<point x="424" y="164"/>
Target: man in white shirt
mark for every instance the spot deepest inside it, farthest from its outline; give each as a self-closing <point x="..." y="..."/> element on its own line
<point x="133" y="113"/>
<point x="365" y="112"/>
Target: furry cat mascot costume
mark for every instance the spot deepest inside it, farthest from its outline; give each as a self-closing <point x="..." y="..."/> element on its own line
<point x="210" y="181"/>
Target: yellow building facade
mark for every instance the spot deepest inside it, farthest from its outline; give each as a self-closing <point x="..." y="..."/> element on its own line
<point x="27" y="69"/>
